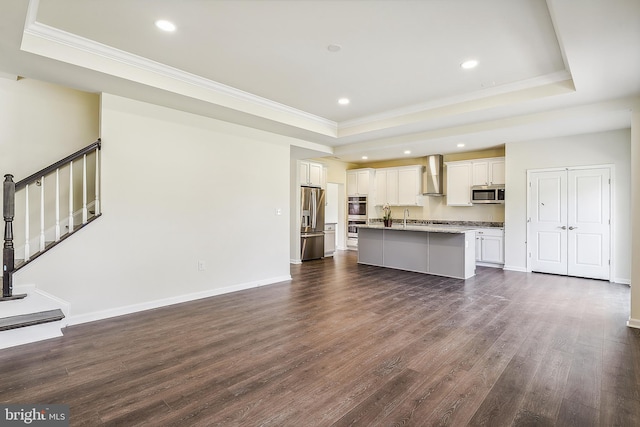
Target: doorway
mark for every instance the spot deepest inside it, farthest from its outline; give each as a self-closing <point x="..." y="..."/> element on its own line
<point x="335" y="212"/>
<point x="569" y="222"/>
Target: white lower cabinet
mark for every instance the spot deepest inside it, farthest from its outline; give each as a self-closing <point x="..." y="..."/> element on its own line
<point x="490" y="247"/>
<point x="329" y="239"/>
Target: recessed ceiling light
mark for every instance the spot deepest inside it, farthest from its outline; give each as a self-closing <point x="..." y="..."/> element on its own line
<point x="343" y="101"/>
<point x="364" y="157"/>
<point x="460" y="145"/>
<point x="407" y="151"/>
<point x="471" y="63"/>
<point x="165" y="25"/>
<point x="334" y="48"/>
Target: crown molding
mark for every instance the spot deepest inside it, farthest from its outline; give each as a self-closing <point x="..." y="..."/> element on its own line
<point x="559" y="76"/>
<point x="122" y="60"/>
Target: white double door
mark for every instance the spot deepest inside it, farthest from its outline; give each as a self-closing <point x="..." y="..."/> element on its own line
<point x="569" y="222"/>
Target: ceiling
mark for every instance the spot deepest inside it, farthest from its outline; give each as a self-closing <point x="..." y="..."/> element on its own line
<point x="545" y="68"/>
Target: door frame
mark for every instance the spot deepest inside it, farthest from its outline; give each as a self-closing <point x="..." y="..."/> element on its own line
<point x="612" y="234"/>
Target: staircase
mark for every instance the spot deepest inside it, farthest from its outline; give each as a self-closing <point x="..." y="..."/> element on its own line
<point x="36" y="317"/>
<point x="29" y="314"/>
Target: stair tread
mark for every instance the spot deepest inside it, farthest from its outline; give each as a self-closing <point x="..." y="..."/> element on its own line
<point x="31" y="319"/>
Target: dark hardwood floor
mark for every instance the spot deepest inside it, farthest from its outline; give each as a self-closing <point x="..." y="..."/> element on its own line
<point x="346" y="344"/>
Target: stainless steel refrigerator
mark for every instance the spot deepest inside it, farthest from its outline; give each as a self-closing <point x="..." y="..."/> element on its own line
<point x="312" y="223"/>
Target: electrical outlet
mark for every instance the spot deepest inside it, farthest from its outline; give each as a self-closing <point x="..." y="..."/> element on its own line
<point x="202" y="266"/>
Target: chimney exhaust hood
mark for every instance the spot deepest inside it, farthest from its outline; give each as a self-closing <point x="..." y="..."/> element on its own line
<point x="432" y="184"/>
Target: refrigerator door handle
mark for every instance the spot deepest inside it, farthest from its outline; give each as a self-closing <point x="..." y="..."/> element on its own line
<point x="308" y="235"/>
<point x="314" y="208"/>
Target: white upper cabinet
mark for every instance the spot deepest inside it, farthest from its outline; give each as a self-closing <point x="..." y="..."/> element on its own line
<point x="462" y="175"/>
<point x="488" y="171"/>
<point x="409" y="185"/>
<point x="386" y="186"/>
<point x="496" y="172"/>
<point x="358" y="181"/>
<point x="459" y="176"/>
<point x="311" y="174"/>
<point x="399" y="186"/>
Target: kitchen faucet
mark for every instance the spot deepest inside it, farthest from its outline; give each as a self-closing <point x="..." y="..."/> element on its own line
<point x="406" y="214"/>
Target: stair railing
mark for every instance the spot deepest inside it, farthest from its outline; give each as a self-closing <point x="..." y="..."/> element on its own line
<point x="86" y="211"/>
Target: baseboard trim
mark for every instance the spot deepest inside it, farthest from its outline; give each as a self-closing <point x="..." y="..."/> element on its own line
<point x="622" y="281"/>
<point x="514" y="268"/>
<point x="489" y="264"/>
<point x="633" y="323"/>
<point x="150" y="305"/>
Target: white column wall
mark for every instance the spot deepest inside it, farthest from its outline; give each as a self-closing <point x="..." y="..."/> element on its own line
<point x="634" y="316"/>
<point x="177" y="189"/>
<point x="590" y="149"/>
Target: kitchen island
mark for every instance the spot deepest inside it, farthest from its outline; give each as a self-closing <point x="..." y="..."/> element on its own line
<point x="433" y="249"/>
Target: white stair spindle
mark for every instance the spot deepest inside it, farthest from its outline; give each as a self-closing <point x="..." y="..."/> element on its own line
<point x="57" y="204"/>
<point x="27" y="248"/>
<point x="84" y="189"/>
<point x="96" y="207"/>
<point x="70" y="196"/>
<point x="42" y="239"/>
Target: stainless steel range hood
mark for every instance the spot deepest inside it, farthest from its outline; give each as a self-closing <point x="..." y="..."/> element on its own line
<point x="432" y="184"/>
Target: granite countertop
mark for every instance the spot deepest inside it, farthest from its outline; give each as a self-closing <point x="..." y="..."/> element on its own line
<point x="469" y="224"/>
<point x="435" y="228"/>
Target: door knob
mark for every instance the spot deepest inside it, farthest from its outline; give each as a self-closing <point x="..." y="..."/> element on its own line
<point x="564" y="227"/>
<point x="572" y="228"/>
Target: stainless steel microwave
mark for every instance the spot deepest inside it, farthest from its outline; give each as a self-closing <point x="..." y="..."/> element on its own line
<point x="487" y="194"/>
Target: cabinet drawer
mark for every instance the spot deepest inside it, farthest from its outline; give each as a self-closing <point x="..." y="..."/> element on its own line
<point x="497" y="232"/>
<point x="329" y="227"/>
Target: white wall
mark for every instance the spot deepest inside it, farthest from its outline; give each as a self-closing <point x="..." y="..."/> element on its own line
<point x="580" y="150"/>
<point x="41" y="123"/>
<point x="294" y="211"/>
<point x="634" y="317"/>
<point x="177" y="188"/>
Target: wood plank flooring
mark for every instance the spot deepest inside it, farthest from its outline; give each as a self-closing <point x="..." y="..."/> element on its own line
<point x="345" y="344"/>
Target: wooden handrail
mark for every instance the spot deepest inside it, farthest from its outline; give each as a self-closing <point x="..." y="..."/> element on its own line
<point x="33" y="177"/>
<point x="8" y="201"/>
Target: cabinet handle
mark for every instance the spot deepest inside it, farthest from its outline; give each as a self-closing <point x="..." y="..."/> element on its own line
<point x="564" y="227"/>
<point x="572" y="228"/>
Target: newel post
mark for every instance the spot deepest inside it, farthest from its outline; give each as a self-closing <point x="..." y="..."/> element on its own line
<point x="8" y="209"/>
